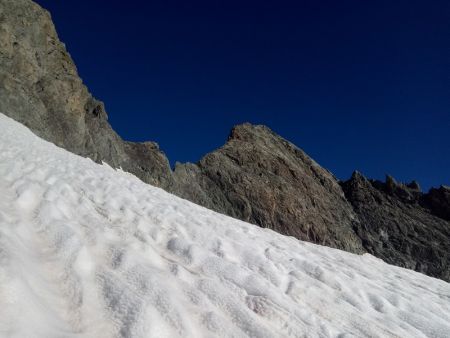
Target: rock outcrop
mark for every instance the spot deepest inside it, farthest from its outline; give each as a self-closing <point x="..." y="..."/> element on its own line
<point x="40" y="87"/>
<point x="257" y="176"/>
<point x="396" y="228"/>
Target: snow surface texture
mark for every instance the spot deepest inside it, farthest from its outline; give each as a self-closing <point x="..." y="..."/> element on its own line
<point x="89" y="251"/>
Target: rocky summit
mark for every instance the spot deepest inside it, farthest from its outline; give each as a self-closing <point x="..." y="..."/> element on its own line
<point x="257" y="176"/>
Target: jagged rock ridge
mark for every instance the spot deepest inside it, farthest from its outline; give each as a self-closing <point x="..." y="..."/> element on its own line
<point x="396" y="225"/>
<point x="256" y="176"/>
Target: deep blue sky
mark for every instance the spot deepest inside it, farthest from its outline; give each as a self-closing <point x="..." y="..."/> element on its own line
<point x="356" y="84"/>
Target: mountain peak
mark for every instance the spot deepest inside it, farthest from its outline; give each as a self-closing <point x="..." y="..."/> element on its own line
<point x="247" y="131"/>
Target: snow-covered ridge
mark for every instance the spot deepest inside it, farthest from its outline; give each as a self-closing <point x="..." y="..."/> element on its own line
<point x="89" y="251"/>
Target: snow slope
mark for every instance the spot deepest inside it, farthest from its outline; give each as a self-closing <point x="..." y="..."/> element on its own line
<point x="89" y="251"/>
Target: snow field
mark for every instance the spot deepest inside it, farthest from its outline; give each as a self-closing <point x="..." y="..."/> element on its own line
<point x="87" y="251"/>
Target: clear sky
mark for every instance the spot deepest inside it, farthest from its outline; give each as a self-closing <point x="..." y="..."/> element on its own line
<point x="356" y="84"/>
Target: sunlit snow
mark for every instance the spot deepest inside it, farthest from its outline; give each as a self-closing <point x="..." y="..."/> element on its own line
<point x="89" y="251"/>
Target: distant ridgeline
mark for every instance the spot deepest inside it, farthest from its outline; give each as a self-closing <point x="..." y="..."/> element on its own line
<point x="257" y="176"/>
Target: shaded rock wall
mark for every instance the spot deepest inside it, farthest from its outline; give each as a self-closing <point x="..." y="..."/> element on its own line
<point x="438" y="202"/>
<point x="395" y="227"/>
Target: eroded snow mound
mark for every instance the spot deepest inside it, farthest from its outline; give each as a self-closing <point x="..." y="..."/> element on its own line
<point x="89" y="251"/>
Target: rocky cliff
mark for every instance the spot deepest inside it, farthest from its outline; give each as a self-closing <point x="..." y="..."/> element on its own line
<point x="397" y="226"/>
<point x="40" y="87"/>
<point x="256" y="176"/>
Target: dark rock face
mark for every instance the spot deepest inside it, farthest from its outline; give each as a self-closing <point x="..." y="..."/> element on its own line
<point x="40" y="87"/>
<point x="438" y="201"/>
<point x="261" y="178"/>
<point x="396" y="228"/>
<point x="257" y="176"/>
